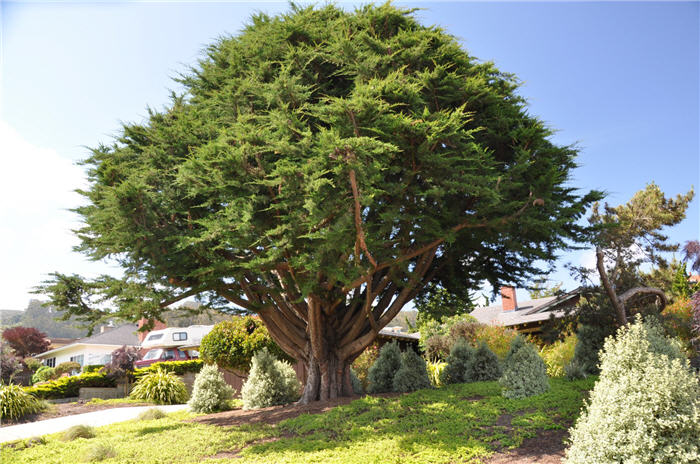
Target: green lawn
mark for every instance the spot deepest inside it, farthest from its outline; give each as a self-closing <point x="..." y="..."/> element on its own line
<point x="453" y="424"/>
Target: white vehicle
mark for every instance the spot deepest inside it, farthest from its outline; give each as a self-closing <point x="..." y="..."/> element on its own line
<point x="176" y="337"/>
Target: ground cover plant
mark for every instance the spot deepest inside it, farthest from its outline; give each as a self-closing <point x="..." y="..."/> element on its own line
<point x="458" y="423"/>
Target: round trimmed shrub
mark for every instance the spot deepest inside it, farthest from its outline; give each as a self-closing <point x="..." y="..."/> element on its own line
<point x="44" y="374"/>
<point x="67" y="368"/>
<point x="485" y="365"/>
<point x="459" y="363"/>
<point x="232" y="344"/>
<point x="645" y="407"/>
<point x="381" y="374"/>
<point x="524" y="372"/>
<point x="160" y="387"/>
<point x="413" y="374"/>
<point x="211" y="392"/>
<point x="15" y="403"/>
<point x="271" y="382"/>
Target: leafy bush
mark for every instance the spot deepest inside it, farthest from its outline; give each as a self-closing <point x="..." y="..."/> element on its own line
<point x="589" y="341"/>
<point x="78" y="431"/>
<point x="362" y="364"/>
<point x="574" y="371"/>
<point x="437" y="339"/>
<point x="33" y="364"/>
<point x="151" y="414"/>
<point x="412" y="375"/>
<point x="645" y="407"/>
<point x="270" y="382"/>
<point x="232" y="344"/>
<point x="381" y="374"/>
<point x="15" y="403"/>
<point x="99" y="452"/>
<point x="485" y="365"/>
<point x="44" y="374"/>
<point x="524" y="372"/>
<point x="92" y="368"/>
<point x="122" y="363"/>
<point x="435" y="369"/>
<point x="175" y="367"/>
<point x="160" y="387"/>
<point x="67" y="368"/>
<point x="68" y="387"/>
<point x="558" y="355"/>
<point x="211" y="392"/>
<point x="11" y="365"/>
<point x="459" y="364"/>
<point x="356" y="383"/>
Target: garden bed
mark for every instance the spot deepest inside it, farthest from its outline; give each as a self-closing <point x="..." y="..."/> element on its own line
<point x="69" y="409"/>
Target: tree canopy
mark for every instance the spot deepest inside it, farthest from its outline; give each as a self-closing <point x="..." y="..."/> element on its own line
<point x="320" y="169"/>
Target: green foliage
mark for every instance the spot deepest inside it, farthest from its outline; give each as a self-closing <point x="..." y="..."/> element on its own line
<point x="485" y="365"/>
<point x="78" y="431"/>
<point x="437" y="339"/>
<point x="558" y="355"/>
<point x="364" y="362"/>
<point x="459" y="363"/>
<point x="99" y="452"/>
<point x="524" y="372"/>
<point x="67" y="368"/>
<point x="211" y="392"/>
<point x="160" y="387"/>
<point x="412" y="375"/>
<point x="33" y="364"/>
<point x="69" y="387"/>
<point x="589" y="341"/>
<point x="574" y="371"/>
<point x="270" y="382"/>
<point x="381" y="374"/>
<point x="15" y="403"/>
<point x="435" y="369"/>
<point x="357" y="387"/>
<point x="92" y="368"/>
<point x="515" y="345"/>
<point x="43" y="374"/>
<point x="151" y="414"/>
<point x="11" y="365"/>
<point x="436" y="303"/>
<point x="232" y="344"/>
<point x="645" y="407"/>
<point x="175" y="367"/>
<point x="541" y="290"/>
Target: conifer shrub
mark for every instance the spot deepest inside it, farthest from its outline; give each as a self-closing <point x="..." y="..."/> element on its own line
<point x="78" y="431"/>
<point x="589" y="341"/>
<point x="211" y="392"/>
<point x="270" y="382"/>
<point x="16" y="403"/>
<point x="381" y="374"/>
<point x="459" y="364"/>
<point x="574" y="371"/>
<point x="485" y="365"/>
<point x="524" y="372"/>
<point x="160" y="387"/>
<point x="413" y="374"/>
<point x="645" y="407"/>
<point x="356" y="383"/>
<point x="151" y="414"/>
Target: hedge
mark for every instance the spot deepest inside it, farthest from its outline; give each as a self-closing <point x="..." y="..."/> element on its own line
<point x="68" y="387"/>
<point x="176" y="367"/>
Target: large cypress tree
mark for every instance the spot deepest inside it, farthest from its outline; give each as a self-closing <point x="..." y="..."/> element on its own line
<point x="320" y="169"/>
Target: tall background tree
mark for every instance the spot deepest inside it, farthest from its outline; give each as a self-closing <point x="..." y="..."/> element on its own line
<point x="320" y="169"/>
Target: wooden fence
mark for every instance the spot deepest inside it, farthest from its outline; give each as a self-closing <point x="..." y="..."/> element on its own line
<point x="237" y="381"/>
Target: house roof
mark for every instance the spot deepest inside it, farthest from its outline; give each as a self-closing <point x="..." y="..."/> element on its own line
<point x="118" y="336"/>
<point x="535" y="310"/>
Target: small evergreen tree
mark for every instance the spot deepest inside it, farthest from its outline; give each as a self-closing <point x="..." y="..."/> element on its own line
<point x="524" y="373"/>
<point x="381" y="374"/>
<point x="211" y="392"/>
<point x="589" y="341"/>
<point x="485" y="365"/>
<point x="271" y="382"/>
<point x="413" y="373"/>
<point x="459" y="364"/>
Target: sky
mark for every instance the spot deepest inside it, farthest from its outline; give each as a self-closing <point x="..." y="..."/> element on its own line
<point x="619" y="80"/>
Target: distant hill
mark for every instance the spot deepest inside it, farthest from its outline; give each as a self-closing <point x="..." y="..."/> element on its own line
<point x="10" y="317"/>
<point x="43" y="319"/>
<point x="406" y="319"/>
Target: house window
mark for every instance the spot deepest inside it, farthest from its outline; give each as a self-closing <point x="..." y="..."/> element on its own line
<point x="79" y="359"/>
<point x="51" y="362"/>
<point x="179" y="336"/>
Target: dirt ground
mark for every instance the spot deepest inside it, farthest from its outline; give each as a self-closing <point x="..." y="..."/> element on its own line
<point x="68" y="409"/>
<point x="546" y="448"/>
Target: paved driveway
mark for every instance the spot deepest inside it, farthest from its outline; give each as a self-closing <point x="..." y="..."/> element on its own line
<point x="95" y="418"/>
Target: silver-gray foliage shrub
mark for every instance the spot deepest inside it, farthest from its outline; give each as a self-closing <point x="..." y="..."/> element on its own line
<point x="459" y="363"/>
<point x="211" y="392"/>
<point x="381" y="374"/>
<point x="270" y="382"/>
<point x="645" y="407"/>
<point x="524" y="372"/>
<point x="485" y="365"/>
<point x="413" y="373"/>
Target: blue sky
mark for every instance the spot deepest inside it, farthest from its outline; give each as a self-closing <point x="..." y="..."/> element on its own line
<point x="619" y="79"/>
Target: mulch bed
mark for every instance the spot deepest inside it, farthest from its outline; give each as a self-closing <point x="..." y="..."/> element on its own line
<point x="68" y="409"/>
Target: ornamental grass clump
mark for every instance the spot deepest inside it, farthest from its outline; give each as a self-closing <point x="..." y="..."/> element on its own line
<point x="211" y="392"/>
<point x="435" y="369"/>
<point x="15" y="403"/>
<point x="524" y="372"/>
<point x="271" y="382"/>
<point x="99" y="452"/>
<point x="459" y="363"/>
<point x="645" y="407"/>
<point x="485" y="365"/>
<point x="381" y="374"/>
<point x="160" y="387"/>
<point x="151" y="414"/>
<point x="78" y="431"/>
<point x="413" y="374"/>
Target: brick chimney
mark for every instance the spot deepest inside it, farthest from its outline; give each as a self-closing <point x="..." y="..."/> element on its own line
<point x="508" y="298"/>
<point x="157" y="325"/>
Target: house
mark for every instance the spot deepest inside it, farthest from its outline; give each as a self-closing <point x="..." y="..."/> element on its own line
<point x="96" y="349"/>
<point x="527" y="316"/>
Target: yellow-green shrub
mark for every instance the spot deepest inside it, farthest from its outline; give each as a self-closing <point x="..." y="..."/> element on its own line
<point x="160" y="387"/>
<point x="558" y="355"/>
<point x="15" y="403"/>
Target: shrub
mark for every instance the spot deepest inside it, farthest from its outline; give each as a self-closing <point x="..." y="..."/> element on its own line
<point x="67" y="368"/>
<point x="175" y="367"/>
<point x="232" y="344"/>
<point x="33" y="364"/>
<point x="645" y="407"/>
<point x="435" y="369"/>
<point x="151" y="414"/>
<point x="78" y="431"/>
<point x="381" y="374"/>
<point x="68" y="387"/>
<point x="160" y="387"/>
<point x="515" y="345"/>
<point x="438" y="339"/>
<point x="589" y="341"/>
<point x="44" y="374"/>
<point x="357" y="387"/>
<point x="524" y="372"/>
<point x="92" y="368"/>
<point x="211" y="392"/>
<point x="270" y="382"/>
<point x="574" y="371"/>
<point x="11" y="365"/>
<point x="362" y="364"/>
<point x="15" y="403"/>
<point x="485" y="365"/>
<point x="459" y="363"/>
<point x="558" y="355"/>
<point x="122" y="363"/>
<point x="99" y="452"/>
<point x="413" y="374"/>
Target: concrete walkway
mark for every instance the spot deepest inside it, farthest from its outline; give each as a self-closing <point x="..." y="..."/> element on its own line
<point x="95" y="419"/>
